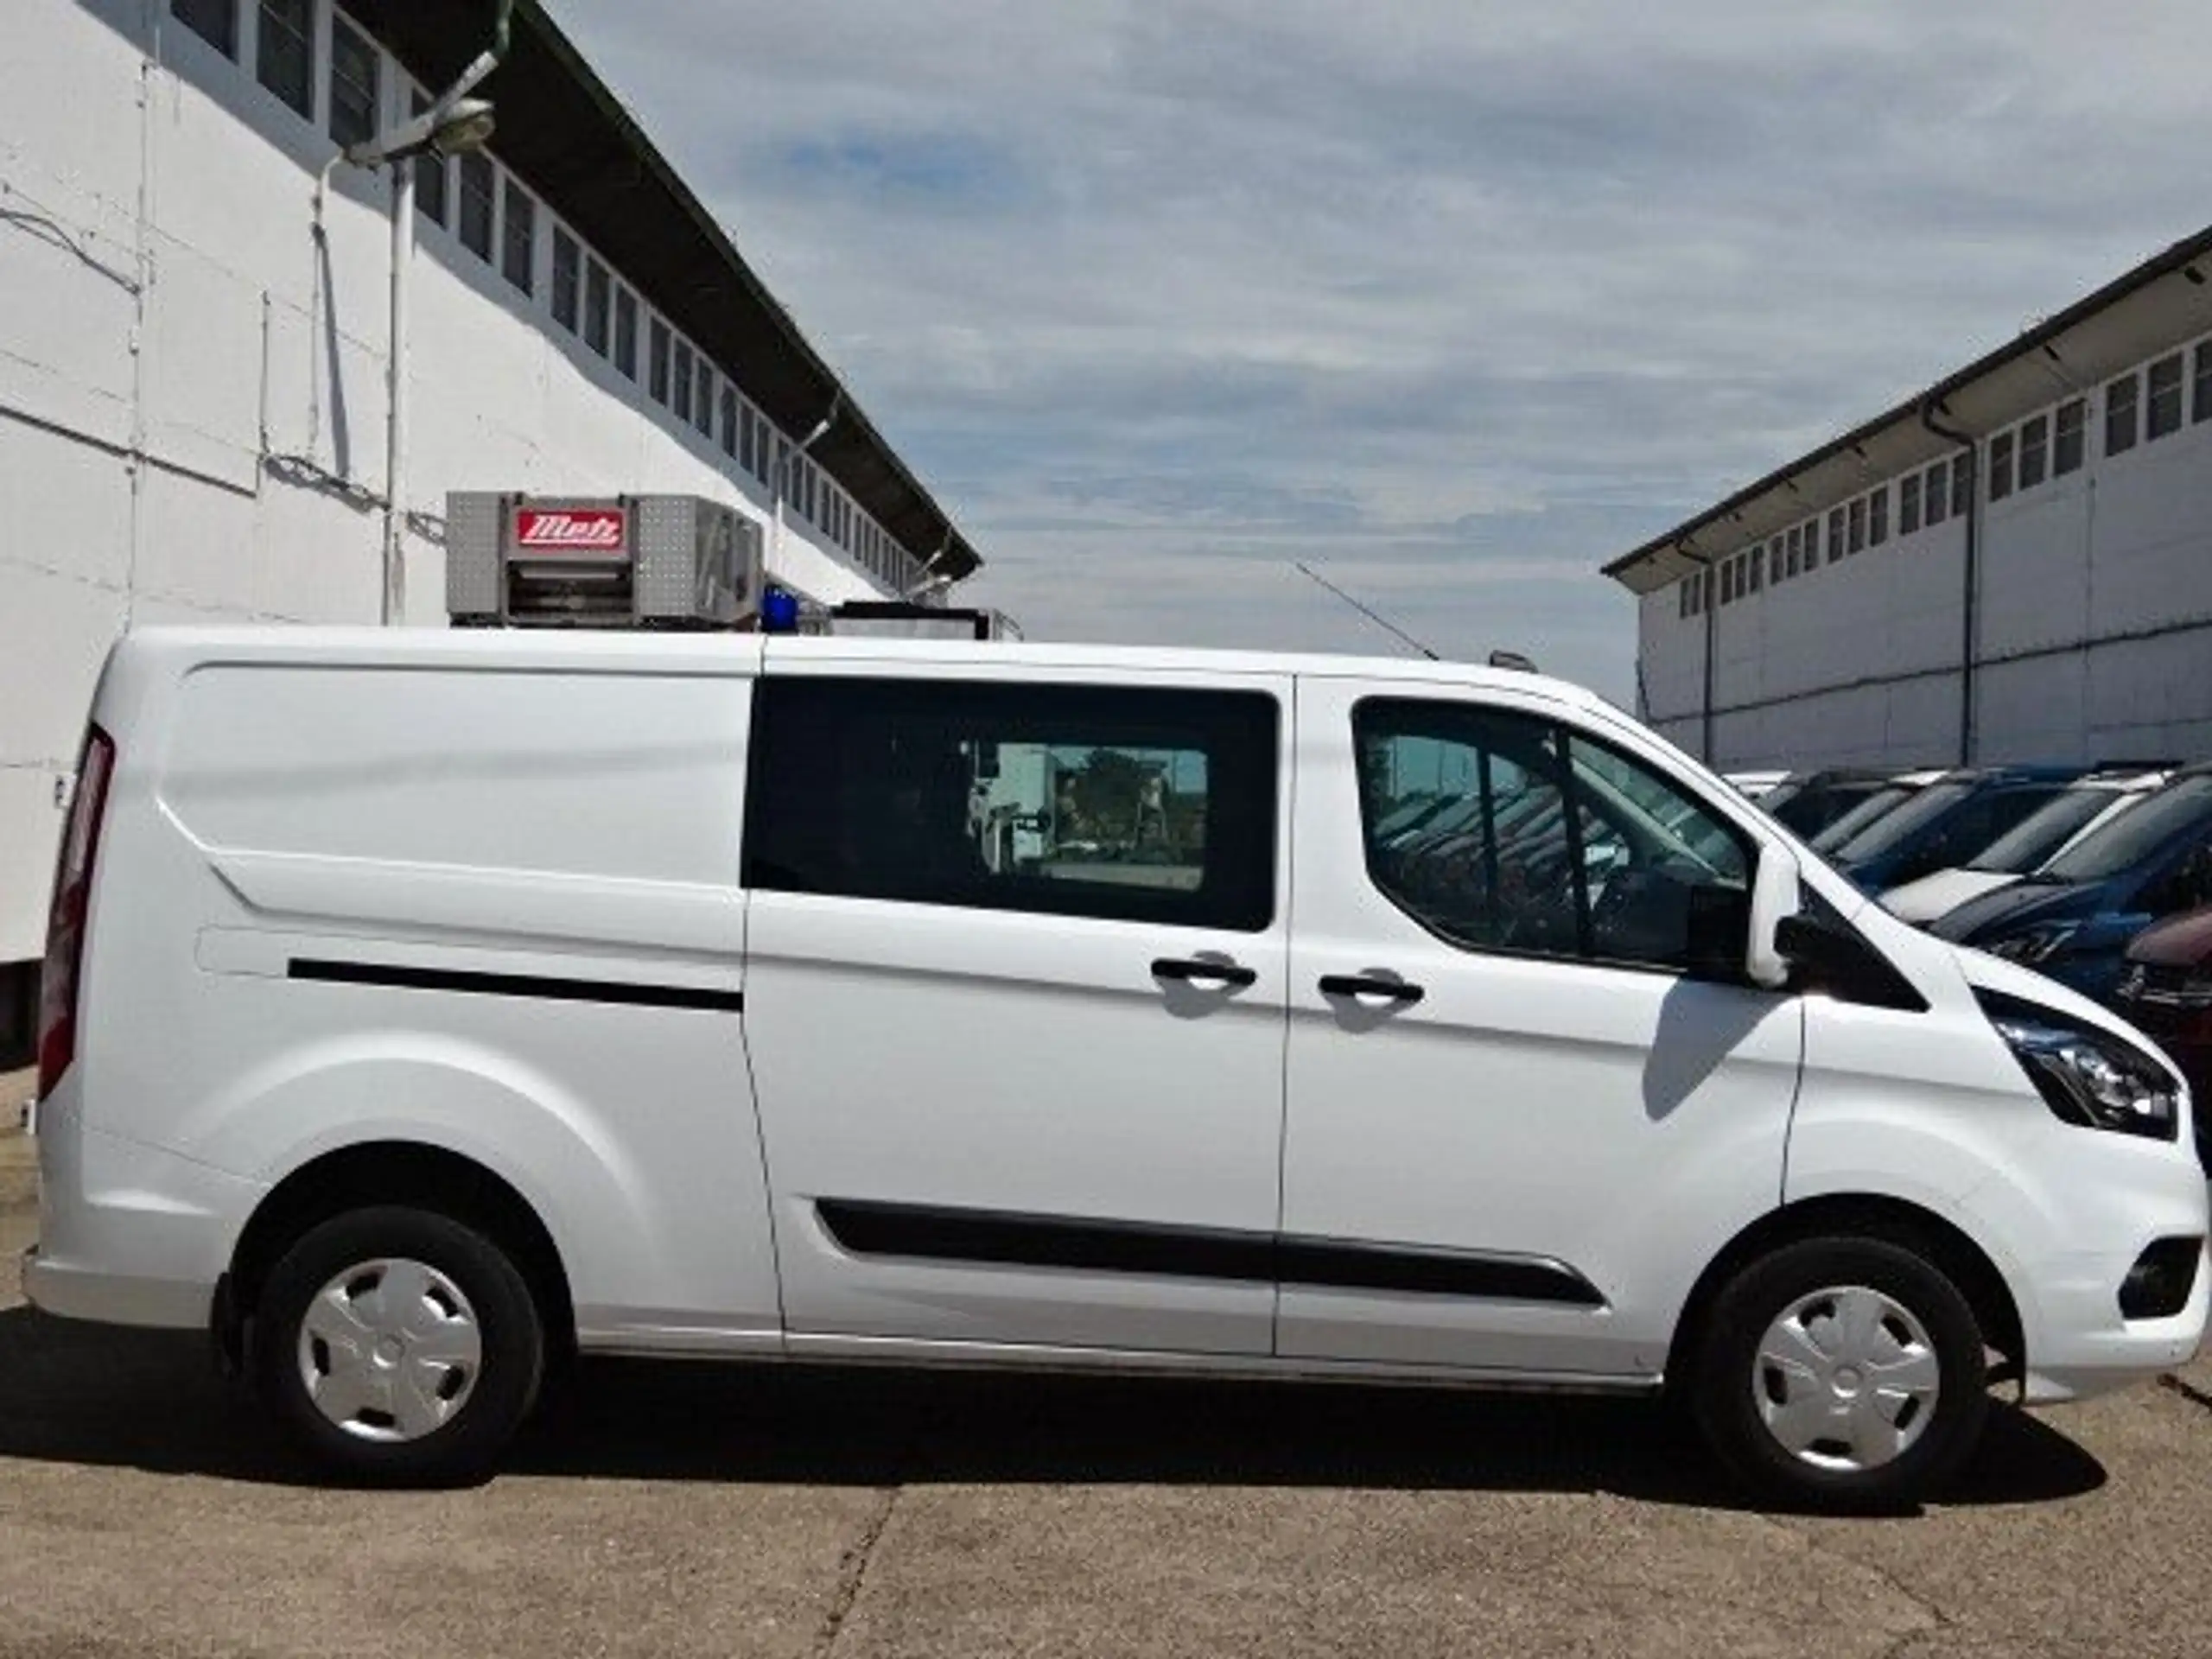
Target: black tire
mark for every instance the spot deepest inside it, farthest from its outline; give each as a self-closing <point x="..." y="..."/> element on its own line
<point x="501" y="1388"/>
<point x="1727" y="1370"/>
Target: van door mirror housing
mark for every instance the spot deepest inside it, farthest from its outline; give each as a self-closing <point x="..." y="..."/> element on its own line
<point x="1773" y="903"/>
<point x="1825" y="953"/>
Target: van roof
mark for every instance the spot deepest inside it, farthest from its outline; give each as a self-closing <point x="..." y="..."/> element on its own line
<point x="601" y="649"/>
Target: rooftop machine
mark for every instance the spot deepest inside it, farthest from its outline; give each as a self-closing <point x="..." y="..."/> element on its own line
<point x="674" y="561"/>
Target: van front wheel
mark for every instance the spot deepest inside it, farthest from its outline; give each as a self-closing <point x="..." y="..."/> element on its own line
<point x="1842" y="1373"/>
<point x="398" y="1345"/>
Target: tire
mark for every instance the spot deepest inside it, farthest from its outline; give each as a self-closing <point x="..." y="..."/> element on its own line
<point x="398" y="1347"/>
<point x="1812" y="1382"/>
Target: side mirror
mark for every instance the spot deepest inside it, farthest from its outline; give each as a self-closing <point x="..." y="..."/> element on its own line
<point x="1831" y="956"/>
<point x="1774" y="906"/>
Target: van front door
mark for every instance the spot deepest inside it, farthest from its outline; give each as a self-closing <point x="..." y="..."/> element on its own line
<point x="1015" y="996"/>
<point x="1530" y="1096"/>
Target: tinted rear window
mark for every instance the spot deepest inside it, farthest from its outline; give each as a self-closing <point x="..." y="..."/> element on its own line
<point x="2136" y="833"/>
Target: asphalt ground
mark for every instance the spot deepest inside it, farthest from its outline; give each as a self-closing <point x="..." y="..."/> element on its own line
<point x="689" y="1509"/>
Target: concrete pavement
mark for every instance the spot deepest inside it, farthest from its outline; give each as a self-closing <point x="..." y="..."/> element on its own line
<point x="679" y="1510"/>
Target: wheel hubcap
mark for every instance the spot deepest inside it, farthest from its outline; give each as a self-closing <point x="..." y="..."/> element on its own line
<point x="390" y="1349"/>
<point x="1846" y="1378"/>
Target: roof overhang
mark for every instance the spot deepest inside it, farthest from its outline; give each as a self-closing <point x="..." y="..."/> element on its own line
<point x="562" y="130"/>
<point x="2166" y="299"/>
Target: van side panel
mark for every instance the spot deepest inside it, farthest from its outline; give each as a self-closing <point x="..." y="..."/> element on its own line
<point x="492" y="911"/>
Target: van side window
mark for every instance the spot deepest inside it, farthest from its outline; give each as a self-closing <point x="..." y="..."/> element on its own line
<point x="1503" y="831"/>
<point x="1115" y="802"/>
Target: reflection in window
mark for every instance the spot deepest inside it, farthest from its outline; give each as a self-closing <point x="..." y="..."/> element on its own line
<point x="2164" y="415"/>
<point x="2034" y="442"/>
<point x="1112" y="802"/>
<point x="215" y="21"/>
<point x="1498" y="831"/>
<point x="520" y="237"/>
<point x="353" y="66"/>
<point x="595" y="305"/>
<point x="626" y="331"/>
<point x="2000" y="466"/>
<point x="1935" y="488"/>
<point x="284" y="54"/>
<point x="1908" y="505"/>
<point x="2120" y="409"/>
<point x="2068" y="440"/>
<point x="476" y="204"/>
<point x="567" y="280"/>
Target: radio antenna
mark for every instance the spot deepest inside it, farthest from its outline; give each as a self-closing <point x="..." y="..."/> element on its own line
<point x="1382" y="622"/>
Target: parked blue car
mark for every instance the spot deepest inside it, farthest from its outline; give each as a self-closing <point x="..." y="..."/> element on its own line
<point x="2073" y="918"/>
<point x="1946" y="822"/>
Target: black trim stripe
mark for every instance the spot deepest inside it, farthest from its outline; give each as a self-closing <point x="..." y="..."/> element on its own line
<point x="924" y="1232"/>
<point x="531" y="985"/>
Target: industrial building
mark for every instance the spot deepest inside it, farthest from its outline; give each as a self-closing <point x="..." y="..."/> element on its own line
<point x="198" y="293"/>
<point x="2013" y="565"/>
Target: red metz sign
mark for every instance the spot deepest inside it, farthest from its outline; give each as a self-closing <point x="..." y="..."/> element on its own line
<point x="575" y="532"/>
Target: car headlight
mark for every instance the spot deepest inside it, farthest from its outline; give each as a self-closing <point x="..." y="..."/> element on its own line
<point x="2037" y="944"/>
<point x="2087" y="1076"/>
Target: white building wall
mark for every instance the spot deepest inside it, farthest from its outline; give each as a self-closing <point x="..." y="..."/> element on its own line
<point x="2093" y="626"/>
<point x="192" y="386"/>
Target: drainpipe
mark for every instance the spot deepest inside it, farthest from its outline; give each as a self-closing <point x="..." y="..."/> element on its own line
<point x="1970" y="580"/>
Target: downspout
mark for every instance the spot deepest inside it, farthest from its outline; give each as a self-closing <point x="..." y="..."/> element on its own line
<point x="1970" y="578"/>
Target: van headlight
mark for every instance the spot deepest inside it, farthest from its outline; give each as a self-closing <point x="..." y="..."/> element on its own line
<point x="2087" y="1076"/>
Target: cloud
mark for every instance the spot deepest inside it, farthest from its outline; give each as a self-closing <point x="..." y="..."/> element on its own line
<point x="1450" y="300"/>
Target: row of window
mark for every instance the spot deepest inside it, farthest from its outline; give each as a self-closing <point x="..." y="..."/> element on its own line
<point x="2140" y="406"/>
<point x="495" y="218"/>
<point x="1496" y="830"/>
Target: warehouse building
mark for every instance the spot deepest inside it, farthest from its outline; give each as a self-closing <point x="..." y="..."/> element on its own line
<point x="2015" y="564"/>
<point x="194" y="344"/>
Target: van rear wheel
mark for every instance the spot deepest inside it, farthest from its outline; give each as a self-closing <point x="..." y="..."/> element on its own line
<point x="1842" y="1373"/>
<point x="398" y="1346"/>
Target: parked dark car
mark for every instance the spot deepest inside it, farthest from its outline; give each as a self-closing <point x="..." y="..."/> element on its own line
<point x="1809" y="802"/>
<point x="1946" y="822"/>
<point x="2073" y="919"/>
<point x="2165" y="991"/>
<point x="1873" y="808"/>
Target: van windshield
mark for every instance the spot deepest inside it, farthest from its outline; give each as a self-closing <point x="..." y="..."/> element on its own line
<point x="2135" y="833"/>
<point x="2029" y="844"/>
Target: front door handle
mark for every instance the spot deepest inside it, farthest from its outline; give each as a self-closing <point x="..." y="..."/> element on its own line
<point x="1367" y="985"/>
<point x="1193" y="970"/>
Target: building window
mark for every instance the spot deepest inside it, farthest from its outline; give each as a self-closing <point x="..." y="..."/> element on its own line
<point x="1908" y="505"/>
<point x="2034" y="451"/>
<point x="626" y="331"/>
<point x="2120" y="415"/>
<point x="567" y="280"/>
<point x="745" y="437"/>
<point x="519" y="237"/>
<point x="2165" y="397"/>
<point x="2000" y="466"/>
<point x="729" y="422"/>
<point x="1728" y="582"/>
<point x="1858" y="523"/>
<point x="1683" y="599"/>
<point x="760" y="452"/>
<point x="1961" y="483"/>
<point x="1774" y="572"/>
<point x="1793" y="549"/>
<point x="595" y="286"/>
<point x="681" y="402"/>
<point x="284" y="59"/>
<point x="2069" y="440"/>
<point x="703" y="399"/>
<point x="1755" y="561"/>
<point x="353" y="84"/>
<point x="657" y="360"/>
<point x="1877" y="517"/>
<point x="1936" y="491"/>
<point x="1835" y="535"/>
<point x="215" y="21"/>
<point x="430" y="173"/>
<point x="476" y="204"/>
<point x="2200" y="408"/>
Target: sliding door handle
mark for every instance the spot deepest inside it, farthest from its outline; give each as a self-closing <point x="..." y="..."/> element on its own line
<point x="1367" y="985"/>
<point x="1196" y="971"/>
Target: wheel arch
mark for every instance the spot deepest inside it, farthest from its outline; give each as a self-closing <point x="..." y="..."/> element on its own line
<point x="1855" y="1215"/>
<point x="389" y="1172"/>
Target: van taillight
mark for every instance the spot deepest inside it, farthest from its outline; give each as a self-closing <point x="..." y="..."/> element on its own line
<point x="62" y="977"/>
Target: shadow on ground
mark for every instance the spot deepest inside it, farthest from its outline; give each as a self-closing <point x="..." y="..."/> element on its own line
<point x="82" y="1394"/>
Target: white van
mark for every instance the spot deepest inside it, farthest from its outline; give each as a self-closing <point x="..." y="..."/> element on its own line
<point x="423" y="1008"/>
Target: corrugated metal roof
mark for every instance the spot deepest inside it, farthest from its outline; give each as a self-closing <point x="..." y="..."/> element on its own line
<point x="563" y="132"/>
<point x="2164" y="299"/>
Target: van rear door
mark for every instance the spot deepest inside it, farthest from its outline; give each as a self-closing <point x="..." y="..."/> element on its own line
<point x="1015" y="1002"/>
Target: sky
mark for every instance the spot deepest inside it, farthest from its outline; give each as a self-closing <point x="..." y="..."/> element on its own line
<point x="1450" y="301"/>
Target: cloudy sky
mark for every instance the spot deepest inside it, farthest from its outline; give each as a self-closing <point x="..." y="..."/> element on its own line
<point x="1451" y="299"/>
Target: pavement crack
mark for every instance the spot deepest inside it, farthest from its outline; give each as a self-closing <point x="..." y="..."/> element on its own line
<point x="1937" y="1619"/>
<point x="2188" y="1391"/>
<point x="852" y="1570"/>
